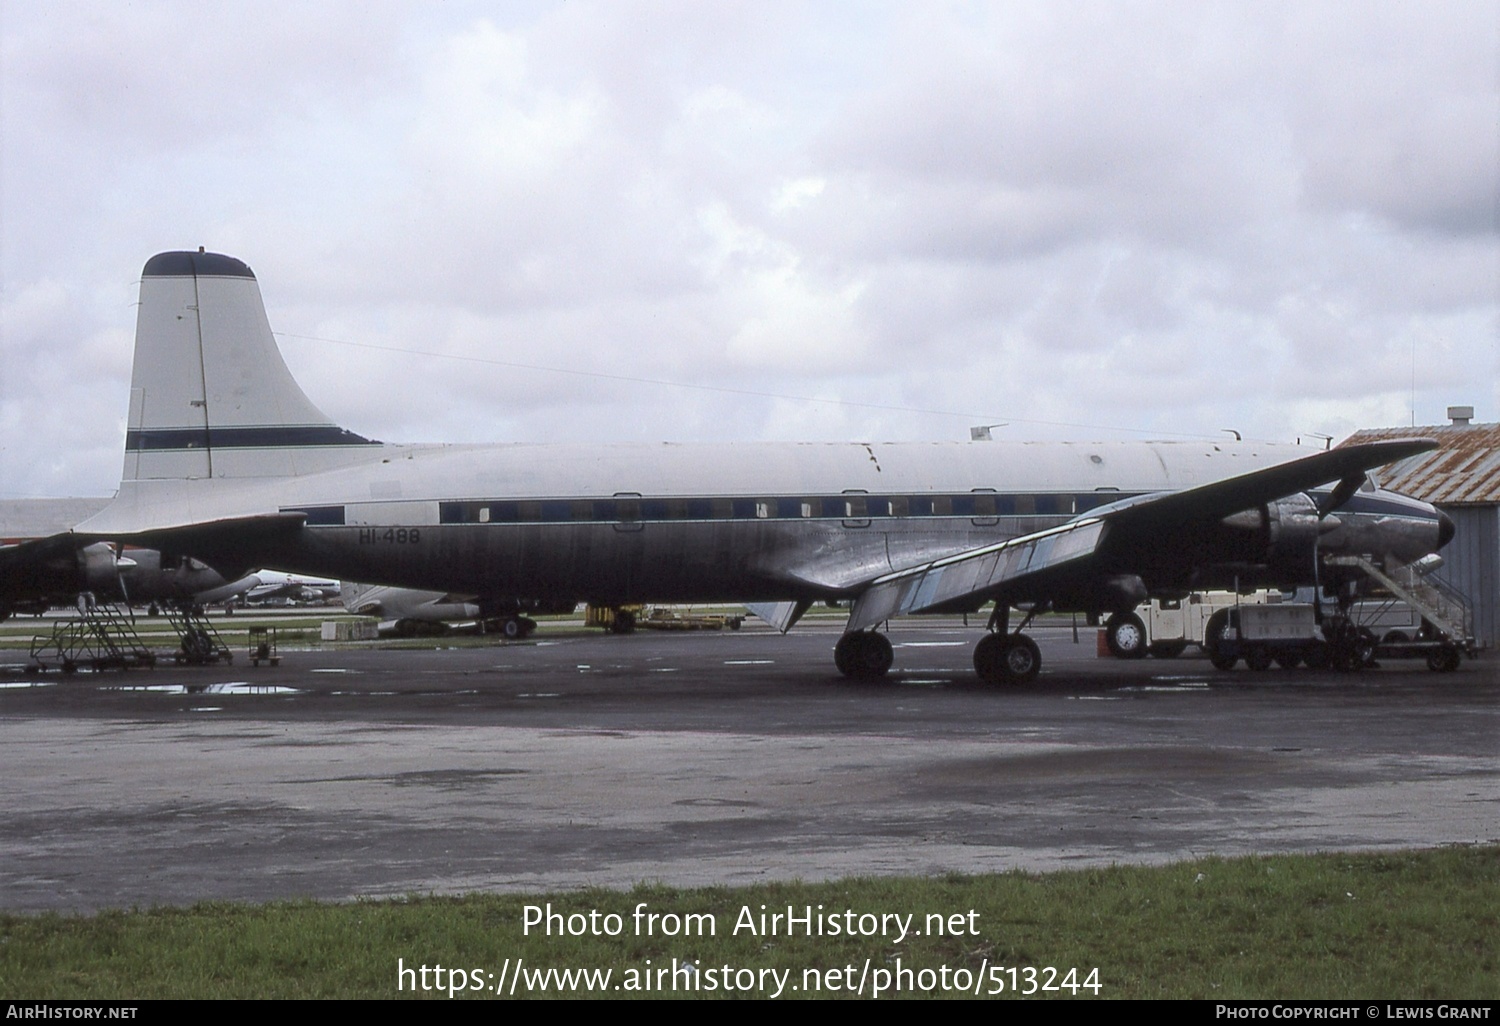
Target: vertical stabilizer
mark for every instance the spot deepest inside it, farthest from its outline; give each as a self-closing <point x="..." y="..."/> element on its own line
<point x="210" y="396"/>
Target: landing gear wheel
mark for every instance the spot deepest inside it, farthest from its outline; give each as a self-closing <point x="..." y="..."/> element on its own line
<point x="876" y="656"/>
<point x="863" y="655"/>
<point x="511" y="628"/>
<point x="843" y="654"/>
<point x="1126" y="636"/>
<point x="1353" y="648"/>
<point x="989" y="658"/>
<point x="1007" y="659"/>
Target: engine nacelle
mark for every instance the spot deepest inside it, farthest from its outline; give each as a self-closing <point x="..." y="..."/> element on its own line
<point x="100" y="569"/>
<point x="1282" y="535"/>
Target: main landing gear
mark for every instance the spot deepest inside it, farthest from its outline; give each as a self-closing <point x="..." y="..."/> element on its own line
<point x="1001" y="657"/>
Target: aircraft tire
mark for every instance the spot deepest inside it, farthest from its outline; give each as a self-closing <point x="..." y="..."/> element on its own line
<point x="876" y="656"/>
<point x="863" y="655"/>
<point x="511" y="628"/>
<point x="988" y="656"/>
<point x="1353" y="649"/>
<point x="1023" y="660"/>
<point x="1007" y="659"/>
<point x="1126" y="636"/>
<point x="843" y="654"/>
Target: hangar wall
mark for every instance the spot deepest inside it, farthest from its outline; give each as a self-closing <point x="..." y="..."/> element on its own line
<point x="1471" y="563"/>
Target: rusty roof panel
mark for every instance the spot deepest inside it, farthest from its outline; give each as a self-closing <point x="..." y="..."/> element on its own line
<point x="1463" y="470"/>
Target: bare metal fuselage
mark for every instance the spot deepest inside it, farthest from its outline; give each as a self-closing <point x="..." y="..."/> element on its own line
<point x="729" y="522"/>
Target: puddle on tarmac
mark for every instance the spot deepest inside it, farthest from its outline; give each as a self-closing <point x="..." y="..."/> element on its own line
<point x="234" y="687"/>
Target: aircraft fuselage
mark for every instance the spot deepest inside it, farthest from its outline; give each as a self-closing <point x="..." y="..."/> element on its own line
<point x="620" y="524"/>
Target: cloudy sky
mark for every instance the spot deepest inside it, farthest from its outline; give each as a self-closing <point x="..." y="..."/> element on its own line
<point x="690" y="221"/>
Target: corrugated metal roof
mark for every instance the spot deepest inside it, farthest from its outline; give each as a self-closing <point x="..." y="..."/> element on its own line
<point x="1463" y="470"/>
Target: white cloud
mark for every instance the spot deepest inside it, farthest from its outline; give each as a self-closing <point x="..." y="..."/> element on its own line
<point x="1164" y="218"/>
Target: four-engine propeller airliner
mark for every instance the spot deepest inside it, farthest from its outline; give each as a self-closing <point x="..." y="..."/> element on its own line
<point x="227" y="460"/>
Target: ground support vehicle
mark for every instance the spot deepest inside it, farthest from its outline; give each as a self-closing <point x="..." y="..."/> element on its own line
<point x="262" y="646"/>
<point x="1166" y="627"/>
<point x="1354" y="634"/>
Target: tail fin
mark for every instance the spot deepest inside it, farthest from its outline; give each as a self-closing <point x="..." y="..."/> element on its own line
<point x="210" y="396"/>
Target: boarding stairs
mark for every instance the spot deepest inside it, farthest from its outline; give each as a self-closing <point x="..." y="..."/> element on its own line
<point x="198" y="644"/>
<point x="1442" y="607"/>
<point x="102" y="637"/>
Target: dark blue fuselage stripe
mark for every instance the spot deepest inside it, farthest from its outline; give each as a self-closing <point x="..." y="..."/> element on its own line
<point x="279" y="437"/>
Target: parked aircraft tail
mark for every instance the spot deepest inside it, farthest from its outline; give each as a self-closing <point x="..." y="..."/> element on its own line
<point x="210" y="396"/>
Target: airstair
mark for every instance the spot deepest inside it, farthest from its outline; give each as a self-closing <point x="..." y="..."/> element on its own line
<point x="103" y="637"/>
<point x="198" y="643"/>
<point x="1447" y="620"/>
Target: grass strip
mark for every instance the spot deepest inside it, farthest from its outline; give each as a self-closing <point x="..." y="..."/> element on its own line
<point x="1419" y="924"/>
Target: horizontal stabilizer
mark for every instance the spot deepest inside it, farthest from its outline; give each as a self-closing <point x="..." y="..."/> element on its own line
<point x="974" y="573"/>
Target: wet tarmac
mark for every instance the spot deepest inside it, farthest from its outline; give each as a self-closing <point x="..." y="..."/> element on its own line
<point x="716" y="757"/>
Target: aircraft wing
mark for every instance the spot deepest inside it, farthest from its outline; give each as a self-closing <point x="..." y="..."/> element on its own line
<point x="966" y="580"/>
<point x="233" y="546"/>
<point x="38" y="568"/>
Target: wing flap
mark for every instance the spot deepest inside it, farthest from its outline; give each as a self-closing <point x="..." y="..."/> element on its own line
<point x="970" y="577"/>
<point x="781" y="615"/>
